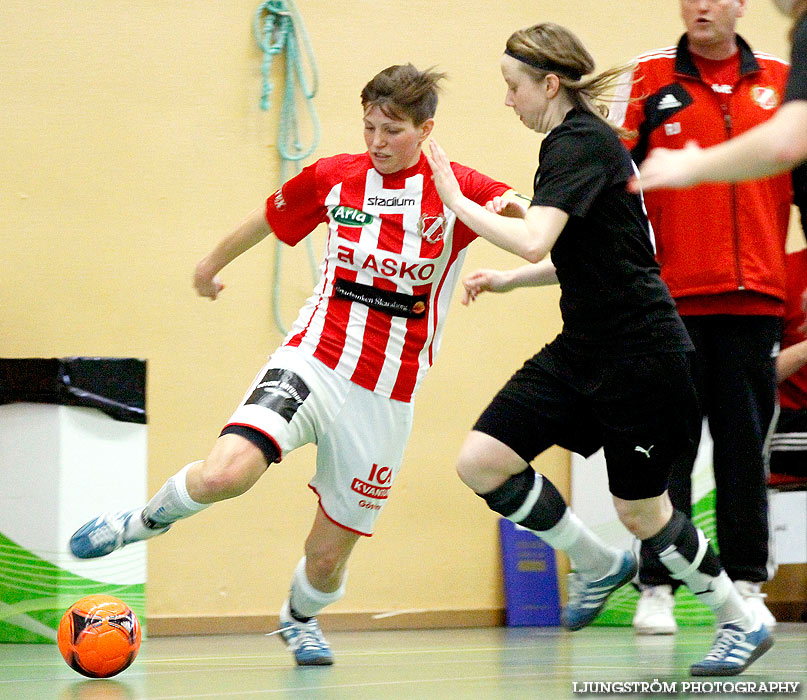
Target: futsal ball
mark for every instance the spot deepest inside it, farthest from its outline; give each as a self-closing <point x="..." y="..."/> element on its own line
<point x="99" y="636"/>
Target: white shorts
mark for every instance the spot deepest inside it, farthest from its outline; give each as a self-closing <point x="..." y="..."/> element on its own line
<point x="360" y="436"/>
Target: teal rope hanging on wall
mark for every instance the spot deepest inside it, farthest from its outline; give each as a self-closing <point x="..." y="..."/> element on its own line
<point x="277" y="25"/>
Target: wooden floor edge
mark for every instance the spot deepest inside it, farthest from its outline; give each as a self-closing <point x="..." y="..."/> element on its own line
<point x="169" y="626"/>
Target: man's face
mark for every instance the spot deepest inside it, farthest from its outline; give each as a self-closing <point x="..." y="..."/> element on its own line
<point x="711" y="23"/>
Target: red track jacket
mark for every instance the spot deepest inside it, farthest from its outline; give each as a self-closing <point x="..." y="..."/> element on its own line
<point x="715" y="239"/>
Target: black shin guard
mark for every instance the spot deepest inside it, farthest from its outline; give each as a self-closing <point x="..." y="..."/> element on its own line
<point x="687" y="555"/>
<point x="528" y="499"/>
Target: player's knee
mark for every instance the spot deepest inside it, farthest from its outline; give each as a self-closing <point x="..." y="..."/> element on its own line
<point x="633" y="522"/>
<point x="471" y="461"/>
<point x="469" y="466"/>
<point x="640" y="518"/>
<point x="479" y="470"/>
<point x="485" y="463"/>
<point x="223" y="483"/>
<point x="232" y="468"/>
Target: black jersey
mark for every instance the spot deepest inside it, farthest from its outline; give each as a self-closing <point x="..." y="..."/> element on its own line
<point x="797" y="82"/>
<point x="613" y="300"/>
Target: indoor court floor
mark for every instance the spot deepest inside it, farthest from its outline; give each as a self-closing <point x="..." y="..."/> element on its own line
<point x="457" y="664"/>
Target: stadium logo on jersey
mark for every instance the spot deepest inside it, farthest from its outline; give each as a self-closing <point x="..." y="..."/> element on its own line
<point x="377" y="484"/>
<point x="765" y="97"/>
<point x="348" y="216"/>
<point x="432" y="228"/>
<point x="281" y="391"/>
<point x="391" y="202"/>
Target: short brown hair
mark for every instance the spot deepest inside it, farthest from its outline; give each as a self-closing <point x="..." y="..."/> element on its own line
<point x="403" y="92"/>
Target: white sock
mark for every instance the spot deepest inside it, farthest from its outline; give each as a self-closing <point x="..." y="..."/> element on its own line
<point x="306" y="600"/>
<point x="734" y="609"/>
<point x="172" y="502"/>
<point x="592" y="558"/>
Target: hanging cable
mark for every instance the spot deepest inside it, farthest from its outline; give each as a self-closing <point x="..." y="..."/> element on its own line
<point x="279" y="29"/>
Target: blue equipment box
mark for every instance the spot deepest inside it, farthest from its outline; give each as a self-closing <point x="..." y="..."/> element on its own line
<point x="530" y="578"/>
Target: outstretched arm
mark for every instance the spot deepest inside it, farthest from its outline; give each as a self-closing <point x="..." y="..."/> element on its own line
<point x="484" y="280"/>
<point x="790" y="360"/>
<point x="773" y="147"/>
<point x="252" y="230"/>
<point x="530" y="238"/>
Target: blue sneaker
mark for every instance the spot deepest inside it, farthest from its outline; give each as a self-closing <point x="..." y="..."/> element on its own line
<point x="733" y="651"/>
<point x="587" y="598"/>
<point x="109" y="532"/>
<point x="305" y="640"/>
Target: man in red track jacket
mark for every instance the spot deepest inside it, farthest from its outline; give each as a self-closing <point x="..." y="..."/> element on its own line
<point x="721" y="248"/>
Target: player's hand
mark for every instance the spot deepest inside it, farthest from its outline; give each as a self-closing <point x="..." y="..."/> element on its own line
<point x="483" y="281"/>
<point x="667" y="169"/>
<point x="506" y="207"/>
<point x="444" y="179"/>
<point x="803" y="326"/>
<point x="206" y="283"/>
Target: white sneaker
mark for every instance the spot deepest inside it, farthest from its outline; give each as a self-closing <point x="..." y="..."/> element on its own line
<point x="654" y="611"/>
<point x="755" y="598"/>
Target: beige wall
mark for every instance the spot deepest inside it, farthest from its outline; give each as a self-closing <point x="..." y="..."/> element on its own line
<point x="131" y="140"/>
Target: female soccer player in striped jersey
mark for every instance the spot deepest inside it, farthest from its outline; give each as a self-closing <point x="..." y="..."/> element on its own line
<point x="345" y="375"/>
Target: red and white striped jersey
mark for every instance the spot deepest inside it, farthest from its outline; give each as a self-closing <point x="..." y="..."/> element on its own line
<point x="392" y="259"/>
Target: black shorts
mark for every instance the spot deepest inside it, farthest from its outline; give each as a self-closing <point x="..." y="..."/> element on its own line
<point x="789" y="444"/>
<point x="642" y="410"/>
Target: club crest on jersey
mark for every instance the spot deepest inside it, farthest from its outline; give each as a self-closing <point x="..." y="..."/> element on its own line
<point x="348" y="216"/>
<point x="432" y="228"/>
<point x="765" y="97"/>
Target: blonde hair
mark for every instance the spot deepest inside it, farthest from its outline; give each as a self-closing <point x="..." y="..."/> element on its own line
<point x="550" y="48"/>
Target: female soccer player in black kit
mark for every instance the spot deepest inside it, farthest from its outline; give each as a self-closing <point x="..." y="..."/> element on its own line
<point x="618" y="375"/>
